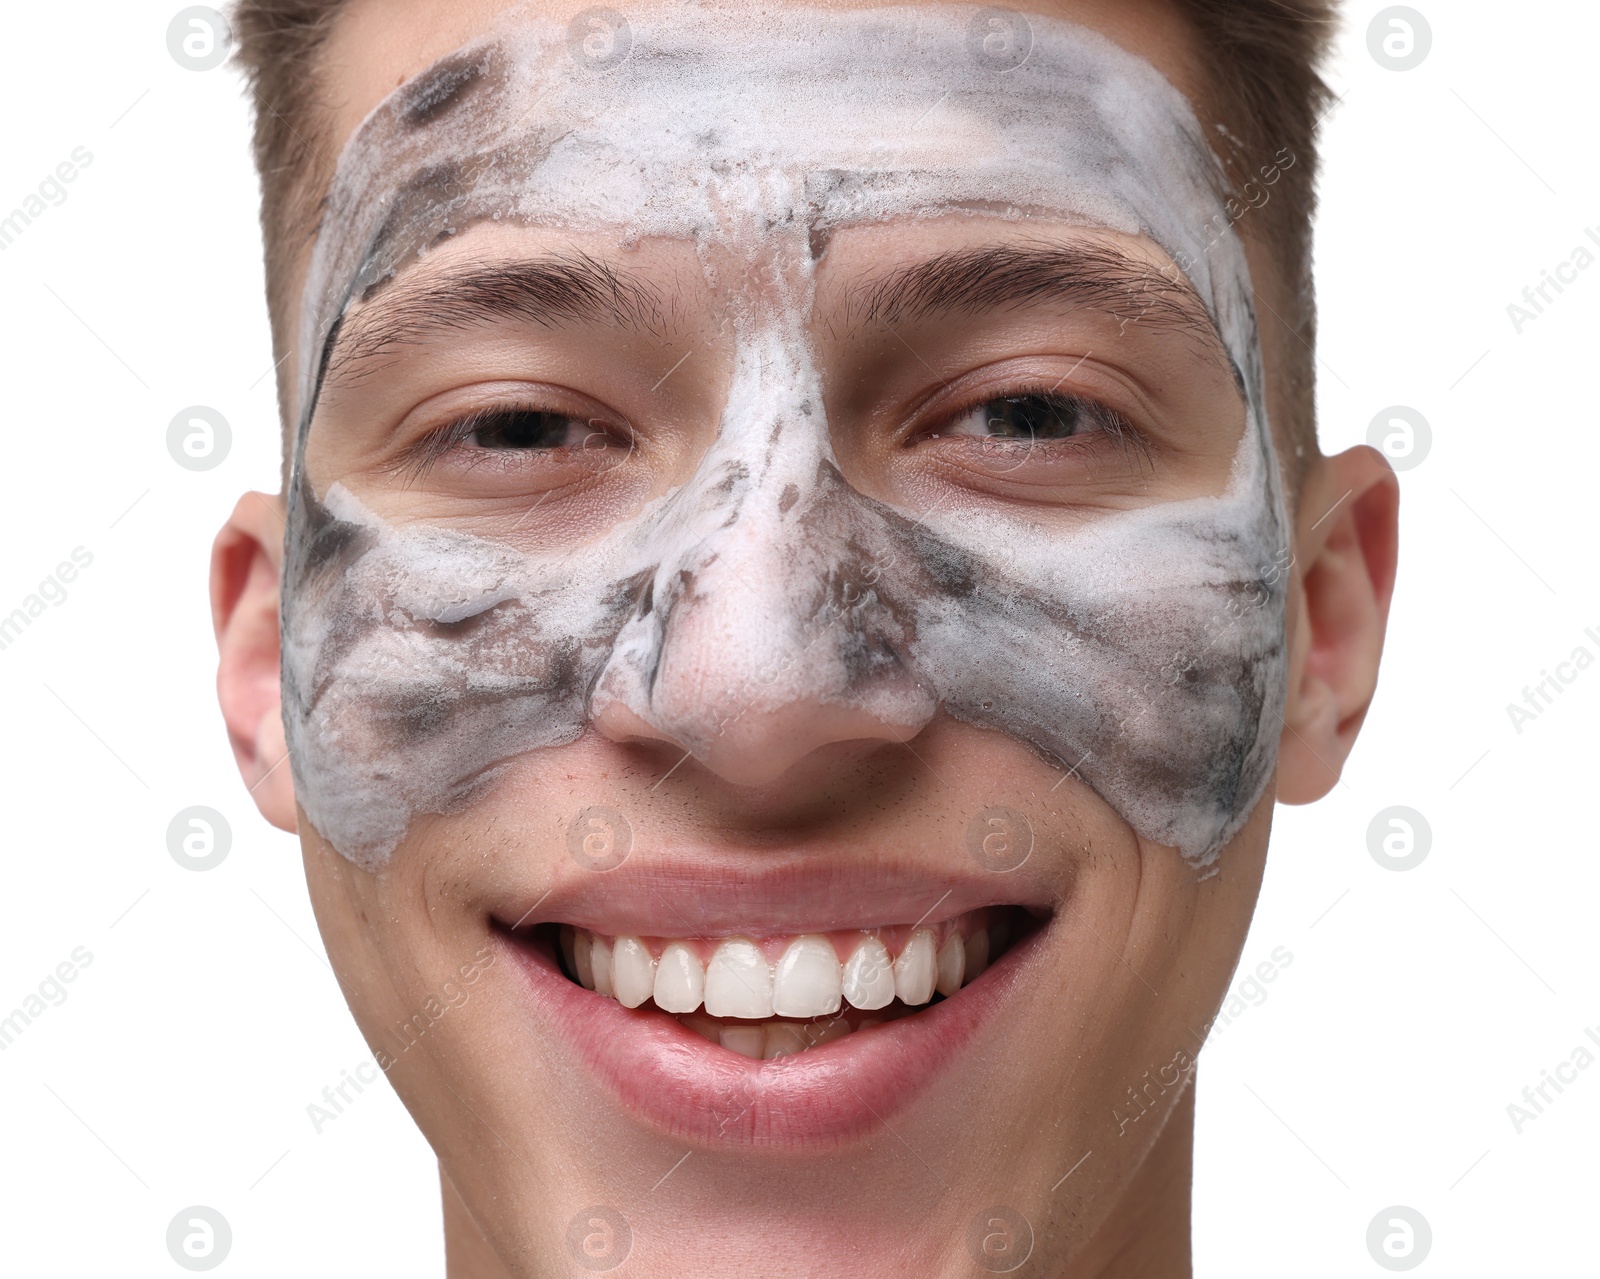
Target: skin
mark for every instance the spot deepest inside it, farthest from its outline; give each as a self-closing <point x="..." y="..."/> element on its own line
<point x="1137" y="958"/>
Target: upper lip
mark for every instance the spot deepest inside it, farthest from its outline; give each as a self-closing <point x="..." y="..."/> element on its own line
<point x="676" y="893"/>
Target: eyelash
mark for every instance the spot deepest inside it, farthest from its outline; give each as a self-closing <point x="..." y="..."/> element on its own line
<point x="417" y="459"/>
<point x="1113" y="425"/>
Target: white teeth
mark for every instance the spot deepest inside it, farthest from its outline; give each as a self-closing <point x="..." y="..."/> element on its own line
<point x="771" y="1039"/>
<point x="633" y="972"/>
<point x="680" y="980"/>
<point x="784" y="1038"/>
<point x="952" y="966"/>
<point x="977" y="955"/>
<point x="914" y="970"/>
<point x="807" y="982"/>
<point x="738" y="982"/>
<point x="581" y="947"/>
<point x="827" y="1032"/>
<point x="747" y="1041"/>
<point x="806" y="987"/>
<point x="600" y="966"/>
<point x="868" y="978"/>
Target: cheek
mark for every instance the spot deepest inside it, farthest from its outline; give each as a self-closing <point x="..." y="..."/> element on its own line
<point x="400" y="938"/>
<point x="416" y="663"/>
<point x="1144" y="656"/>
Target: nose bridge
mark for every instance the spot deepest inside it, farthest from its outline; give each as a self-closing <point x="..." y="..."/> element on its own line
<point x="757" y="640"/>
<point x="742" y="621"/>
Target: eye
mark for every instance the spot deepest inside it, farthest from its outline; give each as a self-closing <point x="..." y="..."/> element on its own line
<point x="1031" y="417"/>
<point x="510" y="435"/>
<point x="528" y="428"/>
<point x="1035" y="444"/>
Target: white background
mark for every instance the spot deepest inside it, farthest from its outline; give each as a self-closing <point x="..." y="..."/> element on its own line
<point x="1378" y="1070"/>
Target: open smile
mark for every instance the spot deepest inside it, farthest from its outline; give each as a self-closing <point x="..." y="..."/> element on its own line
<point x="782" y="1038"/>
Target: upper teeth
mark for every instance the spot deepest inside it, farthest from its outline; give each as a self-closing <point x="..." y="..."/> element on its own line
<point x="806" y="980"/>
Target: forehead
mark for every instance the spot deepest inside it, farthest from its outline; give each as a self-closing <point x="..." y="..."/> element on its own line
<point x="377" y="45"/>
<point x="754" y="128"/>
<point x="679" y="122"/>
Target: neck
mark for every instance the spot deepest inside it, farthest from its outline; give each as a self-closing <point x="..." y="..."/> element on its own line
<point x="467" y="1254"/>
<point x="1146" y="1235"/>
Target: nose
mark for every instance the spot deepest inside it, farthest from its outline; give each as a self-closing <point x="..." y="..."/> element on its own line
<point x="766" y="631"/>
<point x="772" y="639"/>
<point x="752" y="745"/>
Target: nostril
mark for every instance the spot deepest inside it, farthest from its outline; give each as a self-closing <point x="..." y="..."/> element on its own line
<point x="756" y="747"/>
<point x="748" y="746"/>
<point x="616" y="721"/>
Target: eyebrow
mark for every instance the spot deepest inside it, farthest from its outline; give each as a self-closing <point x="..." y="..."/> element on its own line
<point x="561" y="289"/>
<point x="576" y="288"/>
<point x="1014" y="276"/>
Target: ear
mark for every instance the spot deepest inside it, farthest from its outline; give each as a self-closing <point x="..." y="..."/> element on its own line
<point x="245" y="564"/>
<point x="1346" y="539"/>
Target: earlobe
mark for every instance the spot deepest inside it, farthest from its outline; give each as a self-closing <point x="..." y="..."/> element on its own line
<point x="1346" y="540"/>
<point x="246" y="560"/>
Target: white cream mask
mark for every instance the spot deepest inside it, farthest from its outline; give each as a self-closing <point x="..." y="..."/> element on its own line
<point x="1145" y="651"/>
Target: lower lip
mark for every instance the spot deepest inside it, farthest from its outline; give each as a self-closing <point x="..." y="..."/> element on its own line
<point x="692" y="1090"/>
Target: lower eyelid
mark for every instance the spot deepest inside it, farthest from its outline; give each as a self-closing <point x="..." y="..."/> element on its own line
<point x="1095" y="428"/>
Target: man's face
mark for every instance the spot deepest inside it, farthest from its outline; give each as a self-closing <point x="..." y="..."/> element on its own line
<point x="784" y="621"/>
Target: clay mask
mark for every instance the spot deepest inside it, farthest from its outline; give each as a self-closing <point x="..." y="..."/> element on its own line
<point x="1144" y="651"/>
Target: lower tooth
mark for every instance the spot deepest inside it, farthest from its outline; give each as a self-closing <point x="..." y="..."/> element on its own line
<point x="784" y="1038"/>
<point x="977" y="955"/>
<point x="819" y="1033"/>
<point x="747" y="1041"/>
<point x="580" y="954"/>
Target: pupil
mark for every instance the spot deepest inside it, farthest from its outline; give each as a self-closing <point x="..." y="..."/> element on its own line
<point x="523" y="429"/>
<point x="1032" y="417"/>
